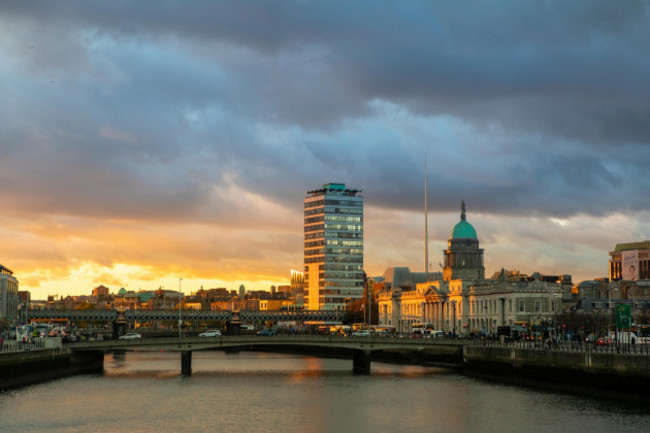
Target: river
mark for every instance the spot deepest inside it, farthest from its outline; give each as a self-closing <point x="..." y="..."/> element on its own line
<point x="263" y="392"/>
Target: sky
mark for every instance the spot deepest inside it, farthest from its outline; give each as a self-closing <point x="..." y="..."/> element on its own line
<point x="166" y="143"/>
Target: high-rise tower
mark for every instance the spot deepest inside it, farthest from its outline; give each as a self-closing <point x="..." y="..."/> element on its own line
<point x="333" y="247"/>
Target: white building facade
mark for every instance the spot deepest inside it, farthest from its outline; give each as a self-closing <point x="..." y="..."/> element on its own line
<point x="464" y="302"/>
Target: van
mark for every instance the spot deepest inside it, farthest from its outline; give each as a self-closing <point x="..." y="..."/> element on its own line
<point x="437" y="334"/>
<point x="623" y="337"/>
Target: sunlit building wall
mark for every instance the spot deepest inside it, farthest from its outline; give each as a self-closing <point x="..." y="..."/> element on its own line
<point x="461" y="300"/>
<point x="8" y="295"/>
<point x="630" y="261"/>
<point x="333" y="247"/>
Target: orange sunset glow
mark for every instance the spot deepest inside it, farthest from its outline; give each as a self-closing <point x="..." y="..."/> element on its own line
<point x="137" y="149"/>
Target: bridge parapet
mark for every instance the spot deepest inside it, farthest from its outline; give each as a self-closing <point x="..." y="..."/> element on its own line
<point x="73" y="315"/>
<point x="292" y="315"/>
<point x="144" y="315"/>
<point x="198" y="343"/>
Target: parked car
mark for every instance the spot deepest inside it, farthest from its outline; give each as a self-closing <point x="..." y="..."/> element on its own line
<point x="362" y="333"/>
<point x="210" y="333"/>
<point x="130" y="336"/>
<point x="267" y="332"/>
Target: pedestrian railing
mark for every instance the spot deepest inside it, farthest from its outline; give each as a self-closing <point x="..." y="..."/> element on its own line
<point x="569" y="346"/>
<point x="22" y="346"/>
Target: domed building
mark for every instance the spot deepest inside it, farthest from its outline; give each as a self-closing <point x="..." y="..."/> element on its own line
<point x="462" y="301"/>
<point x="463" y="257"/>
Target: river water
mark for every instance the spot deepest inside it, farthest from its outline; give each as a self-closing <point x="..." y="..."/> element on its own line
<point x="261" y="392"/>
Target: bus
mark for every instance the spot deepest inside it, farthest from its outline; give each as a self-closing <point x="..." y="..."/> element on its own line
<point x="422" y="329"/>
<point x="384" y="330"/>
<point x="539" y="331"/>
<point x="643" y="333"/>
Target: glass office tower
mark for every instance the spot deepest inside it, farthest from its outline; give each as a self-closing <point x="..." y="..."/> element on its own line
<point x="333" y="247"/>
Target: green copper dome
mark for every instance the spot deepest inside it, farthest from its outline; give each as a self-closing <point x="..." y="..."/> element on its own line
<point x="463" y="230"/>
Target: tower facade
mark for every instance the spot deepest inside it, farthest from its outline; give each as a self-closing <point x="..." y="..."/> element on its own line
<point x="8" y="295"/>
<point x="463" y="257"/>
<point x="333" y="247"/>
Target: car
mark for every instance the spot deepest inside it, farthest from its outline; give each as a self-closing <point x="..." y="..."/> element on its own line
<point x="601" y="341"/>
<point x="362" y="333"/>
<point x="267" y="332"/>
<point x="130" y="336"/>
<point x="211" y="333"/>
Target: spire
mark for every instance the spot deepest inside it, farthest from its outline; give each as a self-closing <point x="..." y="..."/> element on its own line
<point x="426" y="229"/>
<point x="462" y="210"/>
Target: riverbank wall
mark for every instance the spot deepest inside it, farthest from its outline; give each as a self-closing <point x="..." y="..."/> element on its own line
<point x="593" y="373"/>
<point x="24" y="368"/>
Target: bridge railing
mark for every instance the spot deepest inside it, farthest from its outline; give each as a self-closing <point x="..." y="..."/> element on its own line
<point x="22" y="346"/>
<point x="189" y="315"/>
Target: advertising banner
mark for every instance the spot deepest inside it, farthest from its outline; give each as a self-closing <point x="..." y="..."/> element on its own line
<point x="630" y="265"/>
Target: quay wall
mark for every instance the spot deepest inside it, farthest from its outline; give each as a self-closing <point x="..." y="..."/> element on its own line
<point x="583" y="371"/>
<point x="30" y="367"/>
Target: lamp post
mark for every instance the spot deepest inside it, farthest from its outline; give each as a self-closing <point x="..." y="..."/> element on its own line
<point x="180" y="319"/>
<point x="369" y="284"/>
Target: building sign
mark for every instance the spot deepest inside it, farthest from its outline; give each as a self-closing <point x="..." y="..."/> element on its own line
<point x="623" y="316"/>
<point x="630" y="265"/>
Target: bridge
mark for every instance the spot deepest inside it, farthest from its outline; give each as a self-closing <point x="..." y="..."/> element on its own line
<point x="249" y="316"/>
<point x="361" y="347"/>
<point x="566" y="366"/>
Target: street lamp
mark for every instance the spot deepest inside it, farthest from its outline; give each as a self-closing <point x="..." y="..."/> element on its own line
<point x="180" y="319"/>
<point x="369" y="292"/>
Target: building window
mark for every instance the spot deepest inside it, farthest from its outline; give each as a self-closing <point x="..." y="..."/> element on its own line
<point x="538" y="306"/>
<point x="522" y="306"/>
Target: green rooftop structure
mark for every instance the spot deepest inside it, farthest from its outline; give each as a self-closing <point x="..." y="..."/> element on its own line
<point x="463" y="230"/>
<point x="463" y="257"/>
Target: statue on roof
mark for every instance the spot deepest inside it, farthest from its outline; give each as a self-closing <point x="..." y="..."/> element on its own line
<point x="462" y="210"/>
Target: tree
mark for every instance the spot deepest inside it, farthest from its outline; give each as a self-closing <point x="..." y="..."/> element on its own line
<point x="4" y="325"/>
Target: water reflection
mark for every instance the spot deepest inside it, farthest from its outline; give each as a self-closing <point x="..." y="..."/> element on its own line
<point x="259" y="392"/>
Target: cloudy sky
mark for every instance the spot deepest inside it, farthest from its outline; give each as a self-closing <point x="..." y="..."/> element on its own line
<point x="144" y="142"/>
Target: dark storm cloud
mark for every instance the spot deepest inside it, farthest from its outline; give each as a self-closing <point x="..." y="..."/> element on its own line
<point x="145" y="108"/>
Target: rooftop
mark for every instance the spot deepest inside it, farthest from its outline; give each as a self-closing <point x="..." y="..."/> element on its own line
<point x="644" y="245"/>
<point x="334" y="187"/>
